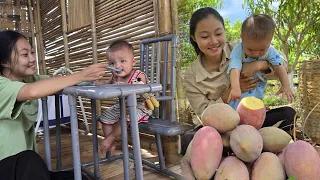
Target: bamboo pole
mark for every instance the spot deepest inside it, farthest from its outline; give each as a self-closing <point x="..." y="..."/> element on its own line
<point x="156" y="16"/>
<point x="94" y="48"/>
<point x="42" y="64"/>
<point x="31" y="23"/>
<point x="41" y="39"/>
<point x="64" y="31"/>
<point x="165" y="27"/>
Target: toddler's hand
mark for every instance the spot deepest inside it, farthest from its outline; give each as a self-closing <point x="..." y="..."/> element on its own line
<point x="234" y="94"/>
<point x="286" y="91"/>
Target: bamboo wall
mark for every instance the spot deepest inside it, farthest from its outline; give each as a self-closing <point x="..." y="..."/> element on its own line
<point x="309" y="77"/>
<point x="76" y="33"/>
<point x="14" y="15"/>
<point x="132" y="20"/>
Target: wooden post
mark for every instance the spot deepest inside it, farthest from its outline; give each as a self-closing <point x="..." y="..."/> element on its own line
<point x="94" y="48"/>
<point x="30" y="10"/>
<point x="41" y="57"/>
<point x="64" y="31"/>
<point x="170" y="144"/>
<point x="183" y="113"/>
<point x="165" y="24"/>
<point x="156" y="17"/>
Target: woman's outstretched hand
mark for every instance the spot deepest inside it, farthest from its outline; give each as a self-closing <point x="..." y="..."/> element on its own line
<point x="93" y="72"/>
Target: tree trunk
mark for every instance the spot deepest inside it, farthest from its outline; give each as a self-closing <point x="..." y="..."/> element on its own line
<point x="290" y="77"/>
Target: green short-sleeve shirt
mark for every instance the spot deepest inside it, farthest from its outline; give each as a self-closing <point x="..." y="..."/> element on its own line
<point x="16" y="118"/>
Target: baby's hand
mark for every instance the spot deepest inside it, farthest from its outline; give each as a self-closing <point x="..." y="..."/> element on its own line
<point x="234" y="94"/>
<point x="286" y="91"/>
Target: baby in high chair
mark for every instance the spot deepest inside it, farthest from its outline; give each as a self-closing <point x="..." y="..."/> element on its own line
<point x="120" y="56"/>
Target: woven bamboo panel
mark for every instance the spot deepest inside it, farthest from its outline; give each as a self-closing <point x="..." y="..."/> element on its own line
<point x="75" y="19"/>
<point x="14" y="16"/>
<point x="309" y="89"/>
<point x="132" y="20"/>
<point x="51" y="21"/>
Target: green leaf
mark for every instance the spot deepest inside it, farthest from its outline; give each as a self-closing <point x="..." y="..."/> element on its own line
<point x="292" y="178"/>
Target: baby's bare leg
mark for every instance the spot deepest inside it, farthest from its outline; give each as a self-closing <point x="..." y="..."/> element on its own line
<point x="107" y="129"/>
<point x="108" y="142"/>
<point x="104" y="146"/>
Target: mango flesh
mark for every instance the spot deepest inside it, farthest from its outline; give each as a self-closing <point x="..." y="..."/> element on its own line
<point x="274" y="139"/>
<point x="206" y="152"/>
<point x="252" y="111"/>
<point x="268" y="166"/>
<point x="301" y="161"/>
<point x="246" y="142"/>
<point x="221" y="116"/>
<point x="232" y="168"/>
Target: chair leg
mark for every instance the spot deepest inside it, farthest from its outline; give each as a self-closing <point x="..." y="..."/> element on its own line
<point x="160" y="152"/>
<point x="108" y="154"/>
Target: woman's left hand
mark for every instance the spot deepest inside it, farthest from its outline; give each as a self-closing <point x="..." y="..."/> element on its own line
<point x="248" y="69"/>
<point x="247" y="84"/>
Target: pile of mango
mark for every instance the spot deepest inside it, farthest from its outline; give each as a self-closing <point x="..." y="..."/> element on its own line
<point x="232" y="145"/>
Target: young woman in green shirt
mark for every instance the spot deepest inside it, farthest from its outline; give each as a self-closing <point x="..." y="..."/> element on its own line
<point x="19" y="90"/>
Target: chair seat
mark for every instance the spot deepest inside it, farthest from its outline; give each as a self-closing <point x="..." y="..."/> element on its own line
<point x="164" y="127"/>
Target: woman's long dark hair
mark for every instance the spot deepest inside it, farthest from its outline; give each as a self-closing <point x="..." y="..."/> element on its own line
<point x="8" y="41"/>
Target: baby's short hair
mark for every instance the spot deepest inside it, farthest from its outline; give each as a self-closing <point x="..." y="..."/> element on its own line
<point x="258" y="26"/>
<point x="118" y="45"/>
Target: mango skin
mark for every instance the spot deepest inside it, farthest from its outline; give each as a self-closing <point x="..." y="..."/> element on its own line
<point x="206" y="152"/>
<point x="301" y="161"/>
<point x="274" y="139"/>
<point x="268" y="166"/>
<point x="221" y="116"/>
<point x="232" y="168"/>
<point x="246" y="143"/>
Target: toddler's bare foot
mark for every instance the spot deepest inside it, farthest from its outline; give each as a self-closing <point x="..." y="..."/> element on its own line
<point x="107" y="144"/>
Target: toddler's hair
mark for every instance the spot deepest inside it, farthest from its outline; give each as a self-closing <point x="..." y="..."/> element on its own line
<point x="119" y="44"/>
<point x="258" y="26"/>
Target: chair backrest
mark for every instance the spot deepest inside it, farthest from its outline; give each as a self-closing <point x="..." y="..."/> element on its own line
<point x="154" y="61"/>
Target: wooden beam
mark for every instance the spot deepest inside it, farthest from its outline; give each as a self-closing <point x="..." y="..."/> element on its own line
<point x="38" y="33"/>
<point x="156" y="16"/>
<point x="64" y="31"/>
<point x="165" y="24"/>
<point x="94" y="48"/>
<point x="30" y="10"/>
<point x="170" y="144"/>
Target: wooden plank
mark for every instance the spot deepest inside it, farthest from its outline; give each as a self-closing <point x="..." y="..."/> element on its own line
<point x="111" y="171"/>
